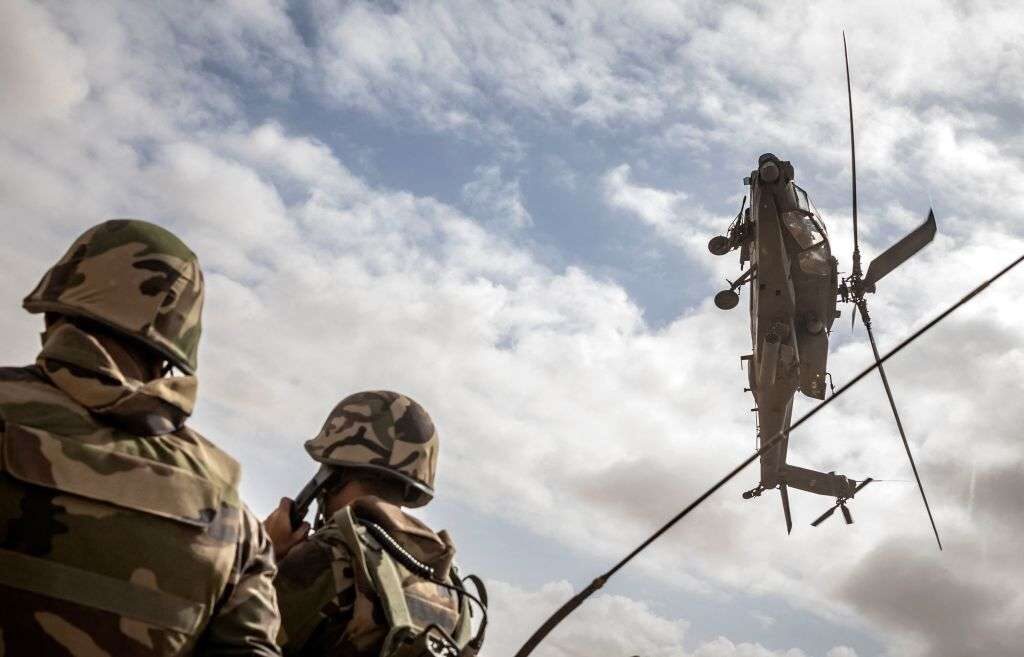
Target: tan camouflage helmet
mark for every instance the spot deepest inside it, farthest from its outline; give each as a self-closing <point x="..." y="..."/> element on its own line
<point x="383" y="432"/>
<point x="134" y="277"/>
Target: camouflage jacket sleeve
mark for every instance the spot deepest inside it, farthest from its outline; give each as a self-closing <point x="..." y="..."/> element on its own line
<point x="316" y="594"/>
<point x="246" y="619"/>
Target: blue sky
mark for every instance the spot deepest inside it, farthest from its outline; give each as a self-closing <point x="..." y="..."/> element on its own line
<point x="502" y="210"/>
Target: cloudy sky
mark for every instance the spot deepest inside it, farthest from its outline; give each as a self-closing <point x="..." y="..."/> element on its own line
<point x="502" y="210"/>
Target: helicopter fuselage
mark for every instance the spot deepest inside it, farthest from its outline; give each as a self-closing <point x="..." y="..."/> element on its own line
<point x="792" y="303"/>
<point x="793" y="282"/>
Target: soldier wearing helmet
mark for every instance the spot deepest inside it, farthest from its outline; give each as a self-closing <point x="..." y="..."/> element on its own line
<point x="121" y="529"/>
<point x="371" y="579"/>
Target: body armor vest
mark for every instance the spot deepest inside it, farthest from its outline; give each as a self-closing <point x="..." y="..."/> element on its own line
<point x="109" y="542"/>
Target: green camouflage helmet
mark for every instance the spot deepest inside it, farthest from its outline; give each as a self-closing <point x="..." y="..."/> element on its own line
<point x="134" y="277"/>
<point x="383" y="432"/>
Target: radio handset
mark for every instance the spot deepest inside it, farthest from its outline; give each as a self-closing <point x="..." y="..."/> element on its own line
<point x="325" y="477"/>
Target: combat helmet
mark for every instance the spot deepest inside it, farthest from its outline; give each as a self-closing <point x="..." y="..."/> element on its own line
<point x="385" y="433"/>
<point x="134" y="277"/>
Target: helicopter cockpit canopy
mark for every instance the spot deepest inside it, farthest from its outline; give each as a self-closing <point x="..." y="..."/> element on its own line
<point x="805" y="225"/>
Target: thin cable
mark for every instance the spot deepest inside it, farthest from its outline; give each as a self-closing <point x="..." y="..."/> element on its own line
<point x="580" y="597"/>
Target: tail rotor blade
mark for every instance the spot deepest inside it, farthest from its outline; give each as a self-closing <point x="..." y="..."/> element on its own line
<point x="847" y="516"/>
<point x="784" y="491"/>
<point x="862" y="485"/>
<point x="900" y="252"/>
<point x="903" y="435"/>
<point x="823" y="517"/>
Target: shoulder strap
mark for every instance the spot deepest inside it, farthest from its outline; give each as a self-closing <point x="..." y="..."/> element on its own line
<point x="82" y="587"/>
<point x="347" y="525"/>
<point x="377" y="568"/>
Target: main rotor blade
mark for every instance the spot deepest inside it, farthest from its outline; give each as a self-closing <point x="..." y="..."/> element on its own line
<point x="853" y="162"/>
<point x="900" y="252"/>
<point x="899" y="425"/>
<point x="823" y="517"/>
<point x="784" y="492"/>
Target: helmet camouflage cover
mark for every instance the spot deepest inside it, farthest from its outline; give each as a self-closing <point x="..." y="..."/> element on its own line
<point x="383" y="432"/>
<point x="134" y="277"/>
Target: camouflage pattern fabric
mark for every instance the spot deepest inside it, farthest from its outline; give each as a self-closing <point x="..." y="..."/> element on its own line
<point x="383" y="432"/>
<point x="116" y="543"/>
<point x="135" y="277"/>
<point x="328" y="607"/>
<point x="78" y="364"/>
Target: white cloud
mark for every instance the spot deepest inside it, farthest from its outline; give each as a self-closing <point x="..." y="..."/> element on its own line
<point x="452" y="65"/>
<point x="494" y="201"/>
<point x="930" y="118"/>
<point x="672" y="214"/>
<point x="764" y="620"/>
<point x="662" y="210"/>
<point x="41" y="69"/>
<point x="604" y="625"/>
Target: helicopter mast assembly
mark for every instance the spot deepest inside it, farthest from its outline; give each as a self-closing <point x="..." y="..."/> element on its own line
<point x="794" y="289"/>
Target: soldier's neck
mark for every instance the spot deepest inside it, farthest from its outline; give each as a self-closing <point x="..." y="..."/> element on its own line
<point x="131" y="360"/>
<point x="347" y="494"/>
<point x="134" y="360"/>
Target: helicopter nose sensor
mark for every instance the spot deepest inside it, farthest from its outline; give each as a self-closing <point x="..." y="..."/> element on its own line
<point x="769" y="171"/>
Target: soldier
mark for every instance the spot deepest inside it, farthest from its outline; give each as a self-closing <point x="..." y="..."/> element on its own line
<point x="371" y="580"/>
<point x="121" y="530"/>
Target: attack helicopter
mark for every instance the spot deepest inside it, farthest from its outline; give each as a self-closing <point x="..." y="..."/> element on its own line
<point x="786" y="259"/>
<point x="775" y="260"/>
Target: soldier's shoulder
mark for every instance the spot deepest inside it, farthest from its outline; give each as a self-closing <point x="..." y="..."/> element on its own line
<point x="307" y="561"/>
<point x="28" y="397"/>
<point x="26" y="374"/>
<point x="216" y="463"/>
<point x="26" y="382"/>
<point x="30" y="400"/>
<point x="330" y="537"/>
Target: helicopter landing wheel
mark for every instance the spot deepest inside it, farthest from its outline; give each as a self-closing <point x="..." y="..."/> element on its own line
<point x="727" y="299"/>
<point x="719" y="245"/>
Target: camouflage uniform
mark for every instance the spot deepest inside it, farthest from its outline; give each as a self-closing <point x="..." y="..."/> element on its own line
<point x="121" y="530"/>
<point x="330" y="605"/>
